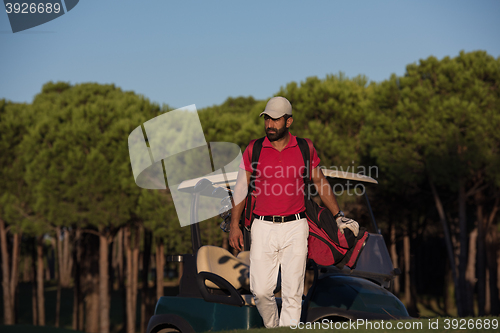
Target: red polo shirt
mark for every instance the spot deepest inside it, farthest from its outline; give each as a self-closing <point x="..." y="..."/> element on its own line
<point x="279" y="184"/>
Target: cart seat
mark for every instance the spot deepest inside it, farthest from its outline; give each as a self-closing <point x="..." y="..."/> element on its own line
<point x="220" y="261"/>
<point x="244" y="256"/>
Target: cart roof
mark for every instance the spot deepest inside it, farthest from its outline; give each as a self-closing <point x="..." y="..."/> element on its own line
<point x="229" y="179"/>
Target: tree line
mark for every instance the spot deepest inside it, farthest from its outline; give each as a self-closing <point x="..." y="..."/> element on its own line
<point x="71" y="212"/>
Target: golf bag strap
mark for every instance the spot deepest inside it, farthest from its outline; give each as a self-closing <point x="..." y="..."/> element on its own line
<point x="306" y="148"/>
<point x="255" y="149"/>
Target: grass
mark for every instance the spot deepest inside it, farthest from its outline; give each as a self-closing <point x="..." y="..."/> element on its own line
<point x="434" y="325"/>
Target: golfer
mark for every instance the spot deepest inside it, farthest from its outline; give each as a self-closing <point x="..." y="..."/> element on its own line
<point x="279" y="230"/>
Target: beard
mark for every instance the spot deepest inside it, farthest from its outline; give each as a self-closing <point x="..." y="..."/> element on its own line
<point x="275" y="134"/>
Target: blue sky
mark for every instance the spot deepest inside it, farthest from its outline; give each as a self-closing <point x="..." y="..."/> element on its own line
<point x="194" y="52"/>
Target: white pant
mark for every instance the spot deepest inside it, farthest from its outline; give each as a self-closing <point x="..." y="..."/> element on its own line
<point x="275" y="244"/>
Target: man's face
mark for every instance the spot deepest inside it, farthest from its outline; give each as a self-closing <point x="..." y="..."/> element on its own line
<point x="276" y="129"/>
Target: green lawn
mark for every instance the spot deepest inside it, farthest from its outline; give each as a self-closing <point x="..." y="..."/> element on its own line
<point x="433" y="325"/>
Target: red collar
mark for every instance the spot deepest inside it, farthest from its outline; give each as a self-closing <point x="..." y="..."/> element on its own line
<point x="291" y="143"/>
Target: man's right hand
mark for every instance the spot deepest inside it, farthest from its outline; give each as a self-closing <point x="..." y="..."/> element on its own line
<point x="239" y="196"/>
<point x="236" y="238"/>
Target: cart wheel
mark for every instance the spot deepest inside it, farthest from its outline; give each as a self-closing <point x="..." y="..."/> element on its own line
<point x="169" y="323"/>
<point x="334" y="319"/>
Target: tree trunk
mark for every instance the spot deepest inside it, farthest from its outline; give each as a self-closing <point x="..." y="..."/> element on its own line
<point x="58" y="304"/>
<point x="66" y="270"/>
<point x="16" y="251"/>
<point x="449" y="247"/>
<point x="119" y="255"/>
<point x="160" y="265"/>
<point x="491" y="258"/>
<point x="8" y="297"/>
<point x="67" y="260"/>
<point x="481" y="255"/>
<point x="58" y="274"/>
<point x="462" y="267"/>
<point x="77" y="288"/>
<point x="406" y="243"/>
<point x="63" y="257"/>
<point x="132" y="254"/>
<point x="92" y="307"/>
<point x="130" y="317"/>
<point x="394" y="255"/>
<point x="90" y="267"/>
<point x="470" y="274"/>
<point x="493" y="248"/>
<point x="40" y="281"/>
<point x="113" y="260"/>
<point x="448" y="301"/>
<point x="487" y="303"/>
<point x="410" y="297"/>
<point x="135" y="271"/>
<point x="33" y="282"/>
<point x="104" y="301"/>
<point x="498" y="267"/>
<point x="121" y="270"/>
<point x="146" y="256"/>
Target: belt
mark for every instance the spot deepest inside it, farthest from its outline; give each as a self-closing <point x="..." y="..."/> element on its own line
<point x="281" y="219"/>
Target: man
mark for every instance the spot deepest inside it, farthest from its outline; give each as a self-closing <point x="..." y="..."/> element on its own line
<point x="279" y="229"/>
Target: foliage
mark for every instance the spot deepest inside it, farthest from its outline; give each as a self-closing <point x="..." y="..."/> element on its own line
<point x="236" y="120"/>
<point x="14" y="207"/>
<point x="441" y="118"/>
<point x="77" y="157"/>
<point x="330" y="112"/>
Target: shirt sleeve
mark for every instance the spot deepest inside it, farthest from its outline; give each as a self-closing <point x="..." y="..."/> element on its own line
<point x="245" y="161"/>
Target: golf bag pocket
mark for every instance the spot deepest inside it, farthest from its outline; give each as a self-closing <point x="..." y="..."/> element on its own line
<point x="321" y="248"/>
<point x="327" y="245"/>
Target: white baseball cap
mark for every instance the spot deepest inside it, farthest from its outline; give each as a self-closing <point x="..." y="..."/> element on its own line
<point x="277" y="107"/>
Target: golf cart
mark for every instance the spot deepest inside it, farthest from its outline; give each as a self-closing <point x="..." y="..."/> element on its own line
<point x="214" y="292"/>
